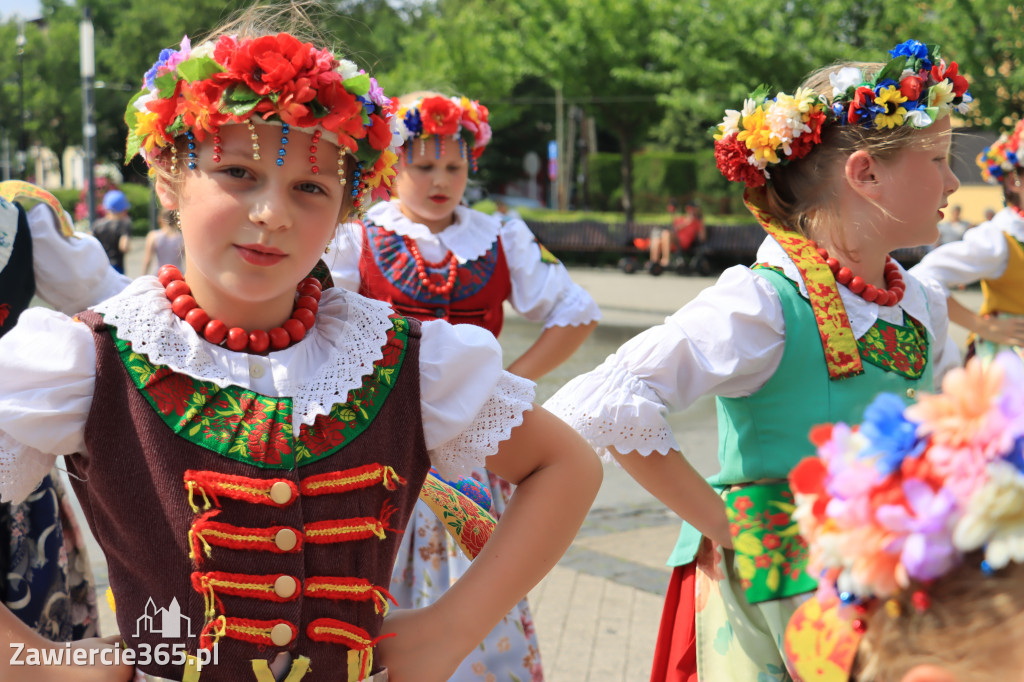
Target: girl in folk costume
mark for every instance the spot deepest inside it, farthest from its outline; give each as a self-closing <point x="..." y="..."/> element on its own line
<point x="246" y="444"/>
<point x="46" y="576"/>
<point x="430" y="257"/>
<point x="992" y="253"/>
<point x="850" y="167"/>
<point x="913" y="521"/>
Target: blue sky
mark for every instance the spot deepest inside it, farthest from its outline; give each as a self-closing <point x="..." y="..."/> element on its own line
<point x="28" y="9"/>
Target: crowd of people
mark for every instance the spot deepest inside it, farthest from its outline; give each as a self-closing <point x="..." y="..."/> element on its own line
<point x="304" y="440"/>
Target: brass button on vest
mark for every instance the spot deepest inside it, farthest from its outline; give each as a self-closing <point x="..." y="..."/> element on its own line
<point x="911" y="393"/>
<point x="285" y="586"/>
<point x="286" y="539"/>
<point x="281" y="634"/>
<point x="280" y="493"/>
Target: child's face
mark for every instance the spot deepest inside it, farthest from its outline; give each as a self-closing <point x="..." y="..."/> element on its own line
<point x="429" y="188"/>
<point x="252" y="229"/>
<point x="916" y="185"/>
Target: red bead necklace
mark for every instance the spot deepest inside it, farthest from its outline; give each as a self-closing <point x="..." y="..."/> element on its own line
<point x="890" y="296"/>
<point x="1017" y="209"/>
<point x="237" y="339"/>
<point x="421" y="269"/>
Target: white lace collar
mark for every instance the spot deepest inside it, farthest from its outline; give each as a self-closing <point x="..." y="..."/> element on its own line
<point x="469" y="237"/>
<point x="862" y="314"/>
<point x="316" y="373"/>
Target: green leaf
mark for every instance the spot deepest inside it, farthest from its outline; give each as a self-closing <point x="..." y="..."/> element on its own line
<point x="749" y="544"/>
<point x="893" y="70"/>
<point x="346" y="414"/>
<point x="772" y="581"/>
<point x="358" y="85"/>
<point x="198" y="68"/>
<point x="165" y="85"/>
<point x="745" y="566"/>
<point x="241" y="93"/>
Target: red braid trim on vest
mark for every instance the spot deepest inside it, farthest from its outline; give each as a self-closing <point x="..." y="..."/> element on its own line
<point x="245" y="629"/>
<point x="351" y="479"/>
<point x="347" y="530"/>
<point x="340" y="632"/>
<point x="352" y="589"/>
<point x="211" y="484"/>
<point x="205" y="533"/>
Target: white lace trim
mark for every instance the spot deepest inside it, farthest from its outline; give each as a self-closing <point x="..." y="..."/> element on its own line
<point x="576" y="307"/>
<point x="610" y="407"/>
<point x="326" y="365"/>
<point x="469" y="237"/>
<point x="21" y="469"/>
<point x="503" y="411"/>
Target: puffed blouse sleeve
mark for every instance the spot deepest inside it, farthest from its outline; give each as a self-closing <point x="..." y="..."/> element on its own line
<point x="343" y="259"/>
<point x="981" y="254"/>
<point x="469" y="403"/>
<point x="543" y="291"/>
<point x="71" y="273"/>
<point x="728" y="341"/>
<point x="48" y="363"/>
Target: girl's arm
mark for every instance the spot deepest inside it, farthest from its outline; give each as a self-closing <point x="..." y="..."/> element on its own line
<point x="558" y="477"/>
<point x="674" y="481"/>
<point x="23" y="640"/>
<point x="1005" y="330"/>
<point x="554" y="346"/>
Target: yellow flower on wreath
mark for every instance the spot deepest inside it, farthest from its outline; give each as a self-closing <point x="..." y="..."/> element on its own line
<point x="891" y="98"/>
<point x="757" y="136"/>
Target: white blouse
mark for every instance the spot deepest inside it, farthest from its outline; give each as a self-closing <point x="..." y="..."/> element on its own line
<point x="70" y="273"/>
<point x="728" y="342"/>
<point x="982" y="253"/>
<point x="541" y="292"/>
<point x="468" y="403"/>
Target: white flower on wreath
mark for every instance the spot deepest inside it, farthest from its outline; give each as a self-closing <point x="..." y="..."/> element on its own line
<point x="347" y="69"/>
<point x="842" y="80"/>
<point x="994" y="518"/>
<point x="730" y="124"/>
<point x="941" y="96"/>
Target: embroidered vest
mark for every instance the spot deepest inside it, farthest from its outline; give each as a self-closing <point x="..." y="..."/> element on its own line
<point x="764" y="435"/>
<point x="17" y="278"/>
<point x="1006" y="294"/>
<point x="221" y="529"/>
<point x="387" y="272"/>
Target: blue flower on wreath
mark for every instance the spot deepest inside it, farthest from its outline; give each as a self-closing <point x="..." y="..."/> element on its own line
<point x="891" y="437"/>
<point x="912" y="50"/>
<point x="413" y="122"/>
<point x="150" y="76"/>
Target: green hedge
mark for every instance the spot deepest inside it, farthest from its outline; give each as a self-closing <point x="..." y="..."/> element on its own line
<point x="659" y="176"/>
<point x="138" y="197"/>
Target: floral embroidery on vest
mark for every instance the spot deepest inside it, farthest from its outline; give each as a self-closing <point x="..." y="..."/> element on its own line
<point x="894" y="348"/>
<point x="397" y="265"/>
<point x="903" y="350"/>
<point x="248" y="427"/>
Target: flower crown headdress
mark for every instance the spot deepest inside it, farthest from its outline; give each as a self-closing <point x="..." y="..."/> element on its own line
<point x="1001" y="157"/>
<point x="442" y="117"/>
<point x="902" y="499"/>
<point x="914" y="88"/>
<point x="270" y="79"/>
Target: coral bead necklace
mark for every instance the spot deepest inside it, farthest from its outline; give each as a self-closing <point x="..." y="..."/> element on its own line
<point x="421" y="269"/>
<point x="237" y="339"/>
<point x="890" y="296"/>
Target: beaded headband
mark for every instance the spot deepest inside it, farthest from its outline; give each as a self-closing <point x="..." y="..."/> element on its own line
<point x="914" y="88"/>
<point x="460" y="118"/>
<point x="271" y="79"/>
<point x="900" y="500"/>
<point x="1000" y="157"/>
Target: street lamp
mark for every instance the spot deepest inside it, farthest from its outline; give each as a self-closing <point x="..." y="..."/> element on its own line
<point x="22" y="137"/>
<point x="88" y="68"/>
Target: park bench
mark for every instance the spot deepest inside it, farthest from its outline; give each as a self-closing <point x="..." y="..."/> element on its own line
<point x="594" y="242"/>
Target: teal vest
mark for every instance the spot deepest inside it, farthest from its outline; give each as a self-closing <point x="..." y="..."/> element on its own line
<point x="764" y="435"/>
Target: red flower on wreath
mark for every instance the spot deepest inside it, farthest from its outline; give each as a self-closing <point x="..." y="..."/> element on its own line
<point x="475" y="533"/>
<point x="731" y="158"/>
<point x="440" y="116"/>
<point x="941" y="72"/>
<point x="862" y="97"/>
<point x="345" y="115"/>
<point x="200" y="104"/>
<point x="266" y="64"/>
<point x="802" y="145"/>
<point x="379" y="133"/>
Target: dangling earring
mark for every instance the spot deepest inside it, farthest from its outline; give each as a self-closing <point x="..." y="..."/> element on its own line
<point x="327" y="249"/>
<point x="176" y="219"/>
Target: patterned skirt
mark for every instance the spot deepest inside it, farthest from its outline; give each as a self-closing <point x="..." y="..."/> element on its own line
<point x="429" y="562"/>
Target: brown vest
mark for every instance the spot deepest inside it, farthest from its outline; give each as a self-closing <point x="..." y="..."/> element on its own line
<point x="152" y="496"/>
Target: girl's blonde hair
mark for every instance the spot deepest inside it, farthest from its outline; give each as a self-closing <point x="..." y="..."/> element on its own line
<point x="801" y="193"/>
<point x="295" y="17"/>
<point x="971" y="627"/>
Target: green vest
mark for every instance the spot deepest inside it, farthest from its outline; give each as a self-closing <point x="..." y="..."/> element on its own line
<point x="764" y="435"/>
